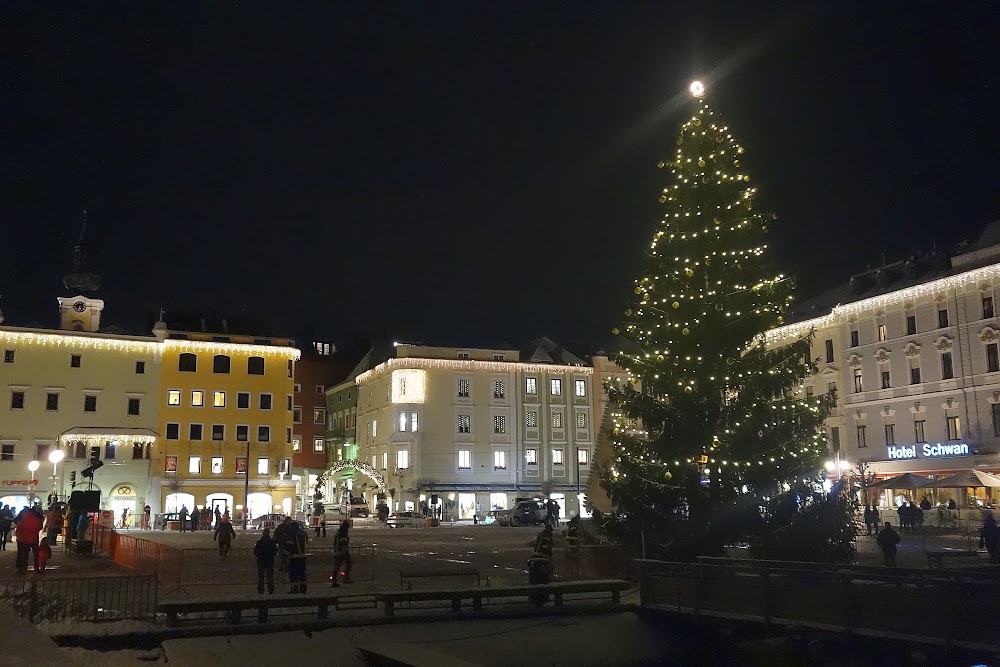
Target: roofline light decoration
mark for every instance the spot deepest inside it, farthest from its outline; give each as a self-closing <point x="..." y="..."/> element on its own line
<point x="467" y="365"/>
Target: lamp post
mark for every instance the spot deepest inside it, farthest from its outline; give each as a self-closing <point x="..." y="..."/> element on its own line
<point x="56" y="455"/>
<point x="32" y="466"/>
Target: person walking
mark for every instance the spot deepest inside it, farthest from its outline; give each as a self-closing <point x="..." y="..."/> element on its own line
<point x="282" y="535"/>
<point x="320" y="520"/>
<point x="195" y="519"/>
<point x="296" y="548"/>
<point x="868" y="520"/>
<point x="342" y="554"/>
<point x="6" y="521"/>
<point x="184" y="517"/>
<point x="29" y="524"/>
<point x="904" y="517"/>
<point x="887" y="541"/>
<point x="218" y="515"/>
<point x="225" y="534"/>
<point x="146" y="512"/>
<point x="265" y="551"/>
<point x="989" y="537"/>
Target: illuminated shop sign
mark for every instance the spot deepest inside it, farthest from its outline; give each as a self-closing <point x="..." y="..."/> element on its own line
<point x="928" y="451"/>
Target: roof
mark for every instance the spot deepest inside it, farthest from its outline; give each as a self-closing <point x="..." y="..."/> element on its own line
<point x="546" y="351"/>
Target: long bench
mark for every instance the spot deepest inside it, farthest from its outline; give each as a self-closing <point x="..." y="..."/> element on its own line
<point x="235" y="607"/>
<point x="533" y="592"/>
<point x="936" y="557"/>
<point x="406" y="576"/>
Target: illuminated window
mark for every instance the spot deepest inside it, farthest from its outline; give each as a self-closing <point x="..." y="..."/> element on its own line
<point x="464" y="423"/>
<point x="216" y="465"/>
<point x="255" y="366"/>
<point x="195" y="431"/>
<point x="557" y="457"/>
<point x="582" y="457"/>
<point x="555" y="387"/>
<point x="262" y="465"/>
<point x="297" y="444"/>
<point x="530" y="386"/>
<point x="318" y="444"/>
<point x="463" y="388"/>
<point x="531" y="419"/>
<point x="464" y="459"/>
<point x="499" y="424"/>
<point x="221" y="364"/>
<point x="319" y="416"/>
<point x="499" y="459"/>
<point x="581" y="388"/>
<point x="187" y="362"/>
<point x="858" y="385"/>
<point x="531" y="456"/>
<point x="374" y="461"/>
<point x="218" y="432"/>
<point x="881" y="333"/>
<point x="402" y="422"/>
<point x="242" y="433"/>
<point x="263" y="434"/>
<point x="581" y="420"/>
<point x="498" y="389"/>
<point x="403" y="459"/>
<point x="197" y="398"/>
<point x="954" y="428"/>
<point x="557" y="420"/>
<point x="266" y="401"/>
<point x="374" y="428"/>
<point x="194" y="465"/>
<point x="385" y="460"/>
<point x="219" y="399"/>
<point x="173" y="397"/>
<point x="413" y="422"/>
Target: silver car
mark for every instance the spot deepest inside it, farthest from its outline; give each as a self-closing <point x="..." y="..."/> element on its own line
<point x="405" y="520"/>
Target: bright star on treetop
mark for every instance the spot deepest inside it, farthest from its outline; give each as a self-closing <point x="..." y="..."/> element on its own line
<point x="697" y="89"/>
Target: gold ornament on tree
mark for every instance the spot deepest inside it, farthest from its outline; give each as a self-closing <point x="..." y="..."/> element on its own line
<point x="685" y="331"/>
<point x="661" y="164"/>
<point x="701" y="163"/>
<point x="689" y="272"/>
<point x="688" y="389"/>
<point x="676" y="304"/>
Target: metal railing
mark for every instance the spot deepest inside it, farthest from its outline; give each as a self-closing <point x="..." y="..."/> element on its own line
<point x="83" y="598"/>
<point x="926" y="609"/>
<point x="593" y="561"/>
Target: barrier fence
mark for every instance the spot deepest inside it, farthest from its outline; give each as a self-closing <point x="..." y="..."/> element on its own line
<point x="83" y="598"/>
<point x="593" y="561"/>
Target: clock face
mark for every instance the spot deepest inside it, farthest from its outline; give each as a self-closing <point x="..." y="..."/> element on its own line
<point x="79" y="306"/>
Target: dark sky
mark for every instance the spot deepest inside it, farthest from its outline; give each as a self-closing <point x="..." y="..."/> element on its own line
<point x="467" y="171"/>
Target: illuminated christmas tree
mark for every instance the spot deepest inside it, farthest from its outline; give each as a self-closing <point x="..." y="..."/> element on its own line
<point x="712" y="423"/>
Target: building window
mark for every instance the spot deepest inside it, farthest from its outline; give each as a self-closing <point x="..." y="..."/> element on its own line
<point x="42" y="452"/>
<point x="531" y="419"/>
<point x="531" y="456"/>
<point x="987" y="307"/>
<point x="51" y="402"/>
<point x="413" y="422"/>
<point x="809" y="391"/>
<point x="402" y="422"/>
<point x="918" y="430"/>
<point x="319" y="416"/>
<point x="288" y="402"/>
<point x="582" y="457"/>
<point x="266" y="401"/>
<point x="173" y="397"/>
<point x="297" y="415"/>
<point x="555" y="387"/>
<point x="499" y="424"/>
<point x="7" y="453"/>
<point x="463" y="356"/>
<point x="216" y="465"/>
<point x="90" y="403"/>
<point x="464" y="459"/>
<point x="464" y="424"/>
<point x="318" y="444"/>
<point x="255" y="366"/>
<point x="581" y="420"/>
<point x="858" y="385"/>
<point x="996" y="419"/>
<point x="17" y="400"/>
<point x="992" y="358"/>
<point x="942" y="318"/>
<point x="75" y="360"/>
<point x="195" y="431"/>
<point x="140" y="368"/>
<point x="855" y="341"/>
<point x="187" y="362"/>
<point x="881" y="332"/>
<point x="530" y="386"/>
<point x="498" y="391"/>
<point x="320" y="389"/>
<point x="914" y="373"/>
<point x="557" y="420"/>
<point x="403" y="459"/>
<point x="291" y="368"/>
<point x="497" y="357"/>
<point x="831" y="387"/>
<point x="499" y="459"/>
<point x="954" y="428"/>
<point x="581" y="387"/>
<point x="297" y="446"/>
<point x="911" y="325"/>
<point x="835" y="438"/>
<point x="243" y="400"/>
<point x="8" y="356"/>
<point x="263" y="434"/>
<point x="173" y="432"/>
<point x="886" y="384"/>
<point x="297" y="388"/>
<point x="890" y="434"/>
<point x="170" y="465"/>
<point x="385" y="460"/>
<point x="463" y="388"/>
<point x="242" y="433"/>
<point x="374" y="428"/>
<point x="194" y="465"/>
<point x="947" y="369"/>
<point x="134" y="406"/>
<point x="557" y="457"/>
<point x="219" y="399"/>
<point x="197" y="398"/>
<point x="862" y="435"/>
<point x="218" y="432"/>
<point x="829" y="350"/>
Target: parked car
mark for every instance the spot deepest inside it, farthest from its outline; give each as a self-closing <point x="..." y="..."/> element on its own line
<point x="525" y="512"/>
<point x="405" y="520"/>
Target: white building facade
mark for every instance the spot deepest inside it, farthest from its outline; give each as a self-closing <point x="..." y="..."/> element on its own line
<point x="466" y="431"/>
<point x="916" y="371"/>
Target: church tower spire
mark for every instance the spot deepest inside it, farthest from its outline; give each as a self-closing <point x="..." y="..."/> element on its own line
<point x="80" y="312"/>
<point x="80" y="278"/>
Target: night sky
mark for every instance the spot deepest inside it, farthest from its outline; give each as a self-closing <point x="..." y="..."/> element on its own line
<point x="467" y="172"/>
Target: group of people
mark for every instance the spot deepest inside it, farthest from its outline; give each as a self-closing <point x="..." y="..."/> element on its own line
<point x="201" y="519"/>
<point x="29" y="526"/>
<point x="287" y="549"/>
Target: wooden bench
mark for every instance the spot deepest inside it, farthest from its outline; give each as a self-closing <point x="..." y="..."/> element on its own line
<point x="235" y="607"/>
<point x="936" y="557"/>
<point x="406" y="575"/>
<point x="540" y="591"/>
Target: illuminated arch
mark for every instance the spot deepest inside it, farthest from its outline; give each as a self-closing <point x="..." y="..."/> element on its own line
<point x="358" y="465"/>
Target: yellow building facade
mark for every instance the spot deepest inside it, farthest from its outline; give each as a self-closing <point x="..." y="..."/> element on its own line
<point x="225" y="423"/>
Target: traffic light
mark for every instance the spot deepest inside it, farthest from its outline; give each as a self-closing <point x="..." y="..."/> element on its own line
<point x="89" y="471"/>
<point x="72" y="479"/>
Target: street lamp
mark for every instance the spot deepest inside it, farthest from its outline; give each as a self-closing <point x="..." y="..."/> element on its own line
<point x="838" y="466"/>
<point x="32" y="466"/>
<point x="55" y="456"/>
